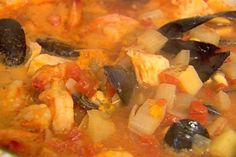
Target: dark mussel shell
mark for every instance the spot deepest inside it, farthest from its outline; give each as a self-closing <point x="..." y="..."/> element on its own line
<point x="180" y="134"/>
<point x="84" y="102"/>
<point x="55" y="47"/>
<point x="212" y="110"/>
<point x="12" y="42"/>
<point x="197" y="49"/>
<point x="122" y="80"/>
<point x="207" y="66"/>
<point x="177" y="28"/>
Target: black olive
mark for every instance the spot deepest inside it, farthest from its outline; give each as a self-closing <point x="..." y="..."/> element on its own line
<point x="180" y="134"/>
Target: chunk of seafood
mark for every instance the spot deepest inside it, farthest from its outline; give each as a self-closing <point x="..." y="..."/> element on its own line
<point x="107" y="30"/>
<point x="177" y="28"/>
<point x="61" y="105"/>
<point x="148" y="67"/>
<point x="12" y="42"/>
<point x="34" y="118"/>
<point x="44" y="59"/>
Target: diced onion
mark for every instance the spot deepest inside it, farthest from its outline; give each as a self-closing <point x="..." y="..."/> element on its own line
<point x="141" y="121"/>
<point x="205" y="34"/>
<point x="99" y="127"/>
<point x="152" y="40"/>
<point x="70" y="85"/>
<point x="229" y="69"/>
<point x="223" y="100"/>
<point x="182" y="58"/>
<point x="200" y="144"/>
<point x="167" y="92"/>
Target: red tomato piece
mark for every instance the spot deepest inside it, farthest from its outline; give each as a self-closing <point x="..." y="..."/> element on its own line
<point x="198" y="112"/>
<point x="86" y="84"/>
<point x="110" y="90"/>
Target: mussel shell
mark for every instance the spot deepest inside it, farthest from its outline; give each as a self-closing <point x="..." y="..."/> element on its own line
<point x="56" y="47"/>
<point x="122" y="80"/>
<point x="12" y="42"/>
<point x="180" y="134"/>
<point x="84" y="102"/>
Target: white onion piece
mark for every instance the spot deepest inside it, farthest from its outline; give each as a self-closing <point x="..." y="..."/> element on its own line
<point x="229" y="69"/>
<point x="151" y="40"/>
<point x="167" y="92"/>
<point x="200" y="144"/>
<point x="223" y="101"/>
<point x="182" y="58"/>
<point x="99" y="126"/>
<point x="70" y="85"/>
<point x="142" y="122"/>
<point x="205" y="34"/>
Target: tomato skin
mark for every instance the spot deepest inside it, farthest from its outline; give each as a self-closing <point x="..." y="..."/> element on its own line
<point x="198" y="112"/>
<point x="86" y="84"/>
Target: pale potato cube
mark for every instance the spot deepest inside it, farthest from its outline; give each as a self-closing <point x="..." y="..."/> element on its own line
<point x="219" y="78"/>
<point x="224" y="145"/>
<point x="223" y="100"/>
<point x="182" y="58"/>
<point x="190" y="80"/>
<point x="229" y="69"/>
<point x="112" y="153"/>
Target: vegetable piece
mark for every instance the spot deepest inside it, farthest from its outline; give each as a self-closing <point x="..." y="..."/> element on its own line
<point x="145" y="119"/>
<point x="182" y="58"/>
<point x="223" y="100"/>
<point x="183" y="74"/>
<point x="44" y="59"/>
<point x="12" y="42"/>
<point x="167" y="92"/>
<point x="200" y="144"/>
<point x="206" y="67"/>
<point x="84" y="102"/>
<point x="229" y="69"/>
<point x="70" y="85"/>
<point x="148" y="67"/>
<point x="5" y="153"/>
<point x="224" y="145"/>
<point x="99" y="127"/>
<point x="180" y="134"/>
<point x="205" y="34"/>
<point x="217" y="126"/>
<point x="112" y="153"/>
<point x="122" y="80"/>
<point x="212" y="110"/>
<point x="182" y="103"/>
<point x="177" y="28"/>
<point x="219" y="78"/>
<point x="55" y="47"/>
<point x="198" y="112"/>
<point x="198" y="50"/>
<point x="151" y="40"/>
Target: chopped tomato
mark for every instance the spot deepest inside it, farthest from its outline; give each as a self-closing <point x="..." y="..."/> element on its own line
<point x="167" y="78"/>
<point x="207" y="91"/>
<point x="169" y="119"/>
<point x="86" y="84"/>
<point x="198" y="112"/>
<point x="109" y="89"/>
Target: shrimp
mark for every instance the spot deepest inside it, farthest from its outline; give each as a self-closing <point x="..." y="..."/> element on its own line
<point x="108" y="30"/>
<point x="61" y="105"/>
<point x="34" y="117"/>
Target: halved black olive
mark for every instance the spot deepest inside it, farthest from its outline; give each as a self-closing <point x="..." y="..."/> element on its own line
<point x="212" y="110"/>
<point x="205" y="67"/>
<point x="180" y="134"/>
<point x="177" y="28"/>
<point x="84" y="102"/>
<point x="12" y="42"/>
<point x="197" y="49"/>
<point x="55" y="47"/>
<point x="122" y="80"/>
